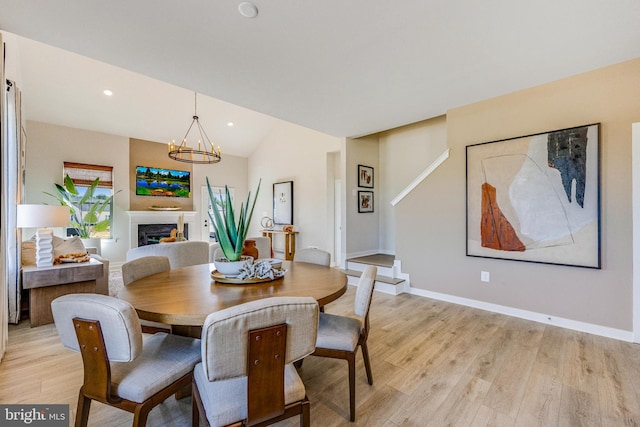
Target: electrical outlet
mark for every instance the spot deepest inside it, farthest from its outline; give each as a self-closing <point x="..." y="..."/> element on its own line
<point x="484" y="276"/>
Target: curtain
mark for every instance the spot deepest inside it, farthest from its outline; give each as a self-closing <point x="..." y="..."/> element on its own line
<point x="11" y="197"/>
<point x="4" y="304"/>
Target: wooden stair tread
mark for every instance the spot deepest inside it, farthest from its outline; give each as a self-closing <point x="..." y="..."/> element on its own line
<point x="377" y="259"/>
<point x="379" y="278"/>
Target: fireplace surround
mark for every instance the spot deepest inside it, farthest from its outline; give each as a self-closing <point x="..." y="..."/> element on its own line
<point x="162" y="218"/>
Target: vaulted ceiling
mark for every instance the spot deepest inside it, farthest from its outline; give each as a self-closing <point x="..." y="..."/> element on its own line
<point x="345" y="68"/>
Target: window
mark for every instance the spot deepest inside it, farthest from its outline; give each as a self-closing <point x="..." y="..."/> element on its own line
<point x="83" y="176"/>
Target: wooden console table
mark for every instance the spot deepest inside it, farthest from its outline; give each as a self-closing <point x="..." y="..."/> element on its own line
<point x="289" y="241"/>
<point x="48" y="283"/>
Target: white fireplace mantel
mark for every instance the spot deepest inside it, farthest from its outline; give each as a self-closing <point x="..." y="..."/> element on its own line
<point x="157" y="217"/>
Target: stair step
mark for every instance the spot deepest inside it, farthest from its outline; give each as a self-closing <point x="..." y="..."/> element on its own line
<point x="377" y="259"/>
<point x="379" y="278"/>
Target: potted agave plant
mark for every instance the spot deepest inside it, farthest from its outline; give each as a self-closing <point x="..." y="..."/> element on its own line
<point x="231" y="232"/>
<point x="85" y="220"/>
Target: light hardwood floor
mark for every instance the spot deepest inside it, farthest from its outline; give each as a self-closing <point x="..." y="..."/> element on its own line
<point x="434" y="364"/>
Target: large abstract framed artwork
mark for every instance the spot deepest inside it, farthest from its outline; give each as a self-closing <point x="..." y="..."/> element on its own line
<point x="536" y="198"/>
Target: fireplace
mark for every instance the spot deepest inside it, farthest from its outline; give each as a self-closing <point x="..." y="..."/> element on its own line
<point x="150" y="234"/>
<point x="167" y="219"/>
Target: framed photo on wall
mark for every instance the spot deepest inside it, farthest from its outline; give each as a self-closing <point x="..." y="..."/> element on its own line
<point x="365" y="201"/>
<point x="365" y="176"/>
<point x="536" y="198"/>
<point x="283" y="203"/>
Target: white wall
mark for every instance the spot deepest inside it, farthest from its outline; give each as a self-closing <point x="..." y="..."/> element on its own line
<point x="294" y="153"/>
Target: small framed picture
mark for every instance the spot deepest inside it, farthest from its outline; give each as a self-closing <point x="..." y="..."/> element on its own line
<point x="365" y="201"/>
<point x="365" y="176"/>
<point x="283" y="203"/>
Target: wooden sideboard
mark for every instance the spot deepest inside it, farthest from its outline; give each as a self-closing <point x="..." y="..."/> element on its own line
<point x="48" y="283"/>
<point x="289" y="241"/>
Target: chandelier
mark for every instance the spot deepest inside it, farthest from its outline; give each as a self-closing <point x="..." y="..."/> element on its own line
<point x="205" y="153"/>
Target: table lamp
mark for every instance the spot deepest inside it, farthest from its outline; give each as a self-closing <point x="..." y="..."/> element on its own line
<point x="41" y="217"/>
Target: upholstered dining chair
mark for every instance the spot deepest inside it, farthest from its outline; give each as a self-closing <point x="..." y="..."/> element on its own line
<point x="246" y="375"/>
<point x="143" y="267"/>
<point x="120" y="368"/>
<point x="339" y="336"/>
<point x="313" y="256"/>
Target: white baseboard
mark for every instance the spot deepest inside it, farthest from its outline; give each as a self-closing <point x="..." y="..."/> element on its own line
<point x="590" y="328"/>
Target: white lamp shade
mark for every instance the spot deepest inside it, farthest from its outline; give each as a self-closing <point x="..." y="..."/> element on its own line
<point x="34" y="216"/>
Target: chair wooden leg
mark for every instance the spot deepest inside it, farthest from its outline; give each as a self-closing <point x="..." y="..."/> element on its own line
<point x="195" y="418"/>
<point x="351" y="361"/>
<point x="141" y="414"/>
<point x="305" y="415"/>
<point x="367" y="364"/>
<point x="82" y="411"/>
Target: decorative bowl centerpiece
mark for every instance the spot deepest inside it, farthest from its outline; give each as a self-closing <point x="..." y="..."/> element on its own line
<point x="231" y="268"/>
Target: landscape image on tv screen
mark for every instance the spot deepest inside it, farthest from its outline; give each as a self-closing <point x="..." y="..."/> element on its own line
<point x="162" y="182"/>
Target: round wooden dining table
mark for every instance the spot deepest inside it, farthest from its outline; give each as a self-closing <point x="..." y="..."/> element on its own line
<point x="184" y="297"/>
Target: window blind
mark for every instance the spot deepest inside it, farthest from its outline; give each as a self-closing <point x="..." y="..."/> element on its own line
<point x="84" y="174"/>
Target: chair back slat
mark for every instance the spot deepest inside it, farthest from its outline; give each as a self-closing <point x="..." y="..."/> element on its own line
<point x="225" y="333"/>
<point x="265" y="382"/>
<point x="121" y="328"/>
<point x="97" y="371"/>
<point x="364" y="293"/>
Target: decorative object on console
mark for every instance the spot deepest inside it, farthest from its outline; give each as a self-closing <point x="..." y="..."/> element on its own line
<point x="536" y="198"/>
<point x="231" y="232"/>
<point x="365" y="176"/>
<point x="205" y="153"/>
<point x="266" y="222"/>
<point x="41" y="217"/>
<point x="283" y="202"/>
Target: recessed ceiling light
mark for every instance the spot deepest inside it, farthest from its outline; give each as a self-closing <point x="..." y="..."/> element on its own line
<point x="229" y="124"/>
<point x="248" y="9"/>
<point x="107" y="92"/>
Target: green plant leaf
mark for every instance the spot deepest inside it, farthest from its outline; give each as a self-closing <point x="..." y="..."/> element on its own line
<point x="231" y="232"/>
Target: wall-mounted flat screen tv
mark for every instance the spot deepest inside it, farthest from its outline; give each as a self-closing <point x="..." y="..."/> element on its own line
<point x="162" y="182"/>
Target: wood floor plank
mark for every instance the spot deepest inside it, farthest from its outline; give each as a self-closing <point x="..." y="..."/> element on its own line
<point x="434" y="363"/>
<point x="543" y="391"/>
<point x="618" y="405"/>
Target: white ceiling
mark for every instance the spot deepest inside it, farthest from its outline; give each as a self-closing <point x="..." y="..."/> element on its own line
<point x="345" y="68"/>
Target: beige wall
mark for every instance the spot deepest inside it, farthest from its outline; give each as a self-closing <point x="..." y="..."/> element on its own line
<point x="153" y="154"/>
<point x="363" y="236"/>
<point x="405" y="153"/>
<point x="430" y="222"/>
<point x="48" y="146"/>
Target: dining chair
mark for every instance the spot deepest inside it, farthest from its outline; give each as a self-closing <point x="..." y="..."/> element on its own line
<point x="313" y="256"/>
<point x="246" y="375"/>
<point x="339" y="336"/>
<point x="143" y="267"/>
<point x="120" y="368"/>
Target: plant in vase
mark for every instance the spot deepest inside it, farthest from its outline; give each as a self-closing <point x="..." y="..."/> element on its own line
<point x="230" y="232"/>
<point x="85" y="220"/>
